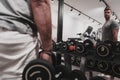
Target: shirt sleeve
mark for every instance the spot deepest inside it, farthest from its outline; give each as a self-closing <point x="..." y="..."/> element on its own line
<point x="115" y="25"/>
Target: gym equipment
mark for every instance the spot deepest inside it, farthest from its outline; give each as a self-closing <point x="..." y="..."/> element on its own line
<point x="116" y="69"/>
<point x="80" y="48"/>
<point x="86" y="34"/>
<point x="58" y="58"/>
<point x="61" y="72"/>
<point x="77" y="75"/>
<point x="117" y="46"/>
<point x="104" y="57"/>
<point x="56" y="46"/>
<point x="90" y="63"/>
<point x="106" y="48"/>
<point x="110" y="43"/>
<point x="88" y="31"/>
<point x="38" y="69"/>
<point x="75" y="60"/>
<point x="64" y="46"/>
<point x="54" y="59"/>
<point x="103" y="50"/>
<point x="103" y="66"/>
<point x="88" y="44"/>
<point x="97" y="78"/>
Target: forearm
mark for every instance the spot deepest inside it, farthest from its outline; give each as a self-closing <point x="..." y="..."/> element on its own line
<point x="115" y="35"/>
<point x="42" y="18"/>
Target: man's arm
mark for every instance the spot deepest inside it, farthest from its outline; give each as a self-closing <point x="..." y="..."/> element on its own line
<point x="115" y="30"/>
<point x="115" y="34"/>
<point x="42" y="17"/>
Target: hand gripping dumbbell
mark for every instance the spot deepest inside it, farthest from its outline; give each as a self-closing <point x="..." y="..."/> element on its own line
<point x="38" y="70"/>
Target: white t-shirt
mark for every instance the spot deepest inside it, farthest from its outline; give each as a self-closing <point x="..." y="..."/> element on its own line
<point x="16" y="15"/>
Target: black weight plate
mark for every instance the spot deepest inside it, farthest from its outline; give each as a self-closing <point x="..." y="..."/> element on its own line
<point x="59" y="59"/>
<point x="116" y="69"/>
<point x="64" y="46"/>
<point x="54" y="59"/>
<point x="80" y="48"/>
<point x="117" y="44"/>
<point x="61" y="72"/>
<point x="54" y="45"/>
<point x="110" y="43"/>
<point x="77" y="75"/>
<point x="103" y="65"/>
<point x="103" y="50"/>
<point x="90" y="63"/>
<point x="88" y="44"/>
<point x="38" y="70"/>
<point x="75" y="60"/>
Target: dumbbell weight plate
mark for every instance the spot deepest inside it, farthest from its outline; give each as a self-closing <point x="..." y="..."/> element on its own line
<point x="55" y="46"/>
<point x="116" y="69"/>
<point x="76" y="60"/>
<point x="63" y="46"/>
<point x="110" y="43"/>
<point x="61" y="72"/>
<point x="38" y="70"/>
<point x="102" y="65"/>
<point x="90" y="63"/>
<point x="103" y="50"/>
<point x="88" y="44"/>
<point x="77" y="75"/>
<point x="80" y="48"/>
<point x="117" y="46"/>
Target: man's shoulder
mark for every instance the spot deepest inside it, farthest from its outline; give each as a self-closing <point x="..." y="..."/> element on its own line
<point x="114" y="23"/>
<point x="112" y="20"/>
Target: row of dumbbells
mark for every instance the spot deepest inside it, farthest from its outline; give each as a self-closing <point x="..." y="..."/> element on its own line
<point x="102" y="48"/>
<point x="111" y="67"/>
<point x="102" y="56"/>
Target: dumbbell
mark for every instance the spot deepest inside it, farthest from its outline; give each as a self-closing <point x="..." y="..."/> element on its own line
<point x="61" y="72"/>
<point x="38" y="69"/>
<point x="67" y="46"/>
<point x="110" y="43"/>
<point x="88" y="44"/>
<point x="77" y="75"/>
<point x="80" y="48"/>
<point x="117" y="46"/>
<point x="105" y="49"/>
<point x="103" y="66"/>
<point x="75" y="60"/>
<point x="64" y="46"/>
<point x="90" y="63"/>
<point x="116" y="69"/>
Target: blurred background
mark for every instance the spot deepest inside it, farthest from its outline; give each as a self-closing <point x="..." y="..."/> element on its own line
<point x="79" y="14"/>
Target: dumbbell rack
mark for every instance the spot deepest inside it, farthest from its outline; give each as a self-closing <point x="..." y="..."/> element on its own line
<point x="101" y="58"/>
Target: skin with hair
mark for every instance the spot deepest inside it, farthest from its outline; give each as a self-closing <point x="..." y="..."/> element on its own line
<point x="42" y="17"/>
